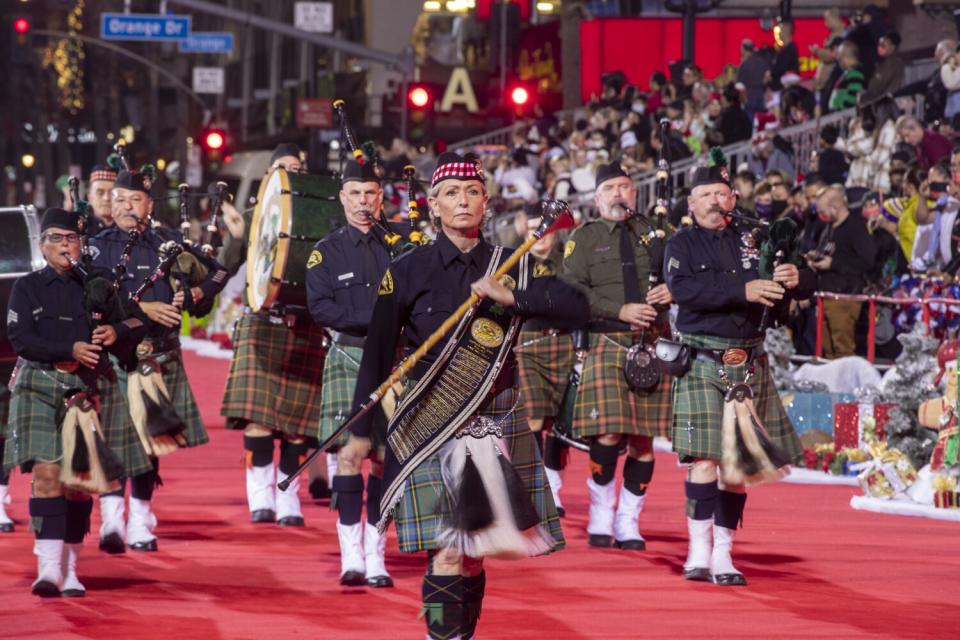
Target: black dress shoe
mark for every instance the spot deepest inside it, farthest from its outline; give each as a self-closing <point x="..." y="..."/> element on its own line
<point x="561" y="512"/>
<point x="697" y="574"/>
<point x="353" y="579"/>
<point x="380" y="582"/>
<point x="73" y="593"/>
<point x="291" y="521"/>
<point x="150" y="545"/>
<point x="6" y="527"/>
<point x="319" y="489"/>
<point x="113" y="544"/>
<point x="263" y="515"/>
<point x="730" y="579"/>
<point x="45" y="589"/>
<point x="630" y="545"/>
<point x="595" y="540"/>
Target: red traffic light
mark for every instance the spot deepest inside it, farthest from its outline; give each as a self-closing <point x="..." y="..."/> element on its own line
<point x="520" y="96"/>
<point x="419" y="97"/>
<point x="214" y="140"/>
<point x="21" y="25"/>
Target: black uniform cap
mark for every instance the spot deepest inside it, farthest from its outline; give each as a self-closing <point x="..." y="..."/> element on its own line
<point x="133" y="181"/>
<point x="608" y="172"/>
<point x="285" y="149"/>
<point x="710" y="175"/>
<point x="353" y="171"/>
<point x="61" y="219"/>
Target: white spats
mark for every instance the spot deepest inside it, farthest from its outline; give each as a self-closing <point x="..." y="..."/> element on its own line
<point x="721" y="562"/>
<point x="351" y="548"/>
<point x="49" y="567"/>
<point x="700" y="546"/>
<point x="555" y="478"/>
<point x="142" y="522"/>
<point x="602" y="500"/>
<point x="111" y="516"/>
<point x="262" y="487"/>
<point x="288" y="502"/>
<point x="626" y="525"/>
<point x="72" y="587"/>
<point x="374" y="549"/>
<point x="6" y="524"/>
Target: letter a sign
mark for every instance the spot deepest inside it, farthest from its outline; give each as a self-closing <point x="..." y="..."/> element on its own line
<point x="459" y="91"/>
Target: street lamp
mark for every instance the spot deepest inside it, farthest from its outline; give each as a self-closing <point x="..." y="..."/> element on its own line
<point x="28" y="160"/>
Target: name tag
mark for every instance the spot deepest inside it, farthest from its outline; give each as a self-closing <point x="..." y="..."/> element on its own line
<point x="143" y="267"/>
<point x="65" y="319"/>
<point x="602" y="249"/>
<point x="345" y="276"/>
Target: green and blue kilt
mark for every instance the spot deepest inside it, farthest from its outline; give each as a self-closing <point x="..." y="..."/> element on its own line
<point x="181" y="396"/>
<point x="544" y="362"/>
<point x="275" y="376"/>
<point x="5" y="370"/>
<point x="698" y="399"/>
<point x="340" y="371"/>
<point x="605" y="404"/>
<point x="425" y="508"/>
<point x="33" y="429"/>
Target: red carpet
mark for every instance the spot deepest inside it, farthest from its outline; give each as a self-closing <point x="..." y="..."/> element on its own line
<point x="816" y="569"/>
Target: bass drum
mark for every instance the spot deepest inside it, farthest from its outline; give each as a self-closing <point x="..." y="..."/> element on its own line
<point x="19" y="255"/>
<point x="294" y="211"/>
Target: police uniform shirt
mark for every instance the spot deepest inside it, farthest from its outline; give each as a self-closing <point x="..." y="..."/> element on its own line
<point x="424" y="287"/>
<point x="46" y="316"/>
<point x="548" y="267"/>
<point x="343" y="274"/>
<point x="707" y="272"/>
<point x="592" y="261"/>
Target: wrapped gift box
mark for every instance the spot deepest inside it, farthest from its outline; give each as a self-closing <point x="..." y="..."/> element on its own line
<point x="851" y="422"/>
<point x="812" y="410"/>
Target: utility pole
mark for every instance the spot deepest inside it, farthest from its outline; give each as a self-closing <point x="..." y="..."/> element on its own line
<point x="688" y="10"/>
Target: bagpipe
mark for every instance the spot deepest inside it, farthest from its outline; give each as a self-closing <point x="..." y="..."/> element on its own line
<point x="398" y="243"/>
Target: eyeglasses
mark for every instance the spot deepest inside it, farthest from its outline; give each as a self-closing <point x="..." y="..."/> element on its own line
<point x="57" y="238"/>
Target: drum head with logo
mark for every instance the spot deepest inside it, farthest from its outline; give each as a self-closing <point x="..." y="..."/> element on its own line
<point x="267" y="252"/>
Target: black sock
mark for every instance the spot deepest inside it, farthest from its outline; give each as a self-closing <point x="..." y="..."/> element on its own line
<point x="701" y="499"/>
<point x="4" y="474"/>
<point x="473" y="588"/>
<point x="555" y="453"/>
<point x="78" y="520"/>
<point x="141" y="486"/>
<point x="119" y="492"/>
<point x="637" y="475"/>
<point x="729" y="511"/>
<point x="443" y="605"/>
<point x="291" y="455"/>
<point x="259" y="450"/>
<point x="349" y="498"/>
<point x="374" y="488"/>
<point x="603" y="461"/>
<point x="50" y="516"/>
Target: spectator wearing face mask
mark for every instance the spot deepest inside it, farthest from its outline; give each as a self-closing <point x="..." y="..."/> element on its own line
<point x="812" y="226"/>
<point x="888" y="259"/>
<point x="888" y="74"/>
<point x="744" y="183"/>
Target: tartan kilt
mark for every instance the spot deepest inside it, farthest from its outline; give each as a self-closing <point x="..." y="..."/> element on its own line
<point x="605" y="404"/>
<point x="425" y="507"/>
<point x="4" y="411"/>
<point x="336" y="396"/>
<point x="698" y="399"/>
<point x="275" y="376"/>
<point x="175" y="378"/>
<point x="544" y="362"/>
<point x="117" y="426"/>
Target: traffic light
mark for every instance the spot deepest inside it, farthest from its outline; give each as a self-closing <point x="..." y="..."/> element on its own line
<point x="214" y="140"/>
<point x="520" y="98"/>
<point x="21" y="51"/>
<point x="419" y="97"/>
<point x="419" y="104"/>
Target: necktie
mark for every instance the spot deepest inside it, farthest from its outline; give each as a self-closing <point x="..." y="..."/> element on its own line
<point x="631" y="281"/>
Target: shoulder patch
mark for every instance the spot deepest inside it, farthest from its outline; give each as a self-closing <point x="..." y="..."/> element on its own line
<point x="386" y="285"/>
<point x="11" y="316"/>
<point x="673" y="264"/>
<point x="315" y="258"/>
<point x="93" y="251"/>
<point x="568" y="248"/>
<point x="540" y="270"/>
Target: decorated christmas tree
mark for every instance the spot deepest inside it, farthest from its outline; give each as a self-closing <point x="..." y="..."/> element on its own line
<point x="779" y="348"/>
<point x="910" y="384"/>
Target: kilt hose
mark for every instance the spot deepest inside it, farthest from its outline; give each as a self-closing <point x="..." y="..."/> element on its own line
<point x="698" y="399"/>
<point x="425" y="506"/>
<point x="275" y="376"/>
<point x="181" y="396"/>
<point x="605" y="404"/>
<point x="544" y="362"/>
<point x="34" y="435"/>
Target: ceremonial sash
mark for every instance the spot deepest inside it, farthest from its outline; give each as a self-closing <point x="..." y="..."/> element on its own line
<point x="452" y="390"/>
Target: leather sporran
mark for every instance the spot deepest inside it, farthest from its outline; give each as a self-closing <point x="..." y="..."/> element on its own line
<point x="641" y="370"/>
<point x="673" y="357"/>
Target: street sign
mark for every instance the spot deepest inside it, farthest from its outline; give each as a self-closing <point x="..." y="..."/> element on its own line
<point x="316" y="17"/>
<point x="207" y="42"/>
<point x="314" y="113"/>
<point x="208" y="80"/>
<point x="144" y="26"/>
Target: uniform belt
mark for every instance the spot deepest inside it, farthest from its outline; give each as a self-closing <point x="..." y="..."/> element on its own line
<point x="347" y="340"/>
<point x="610" y="326"/>
<point x="733" y="356"/>
<point x="545" y="331"/>
<point x="290" y="316"/>
<point x="64" y="366"/>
